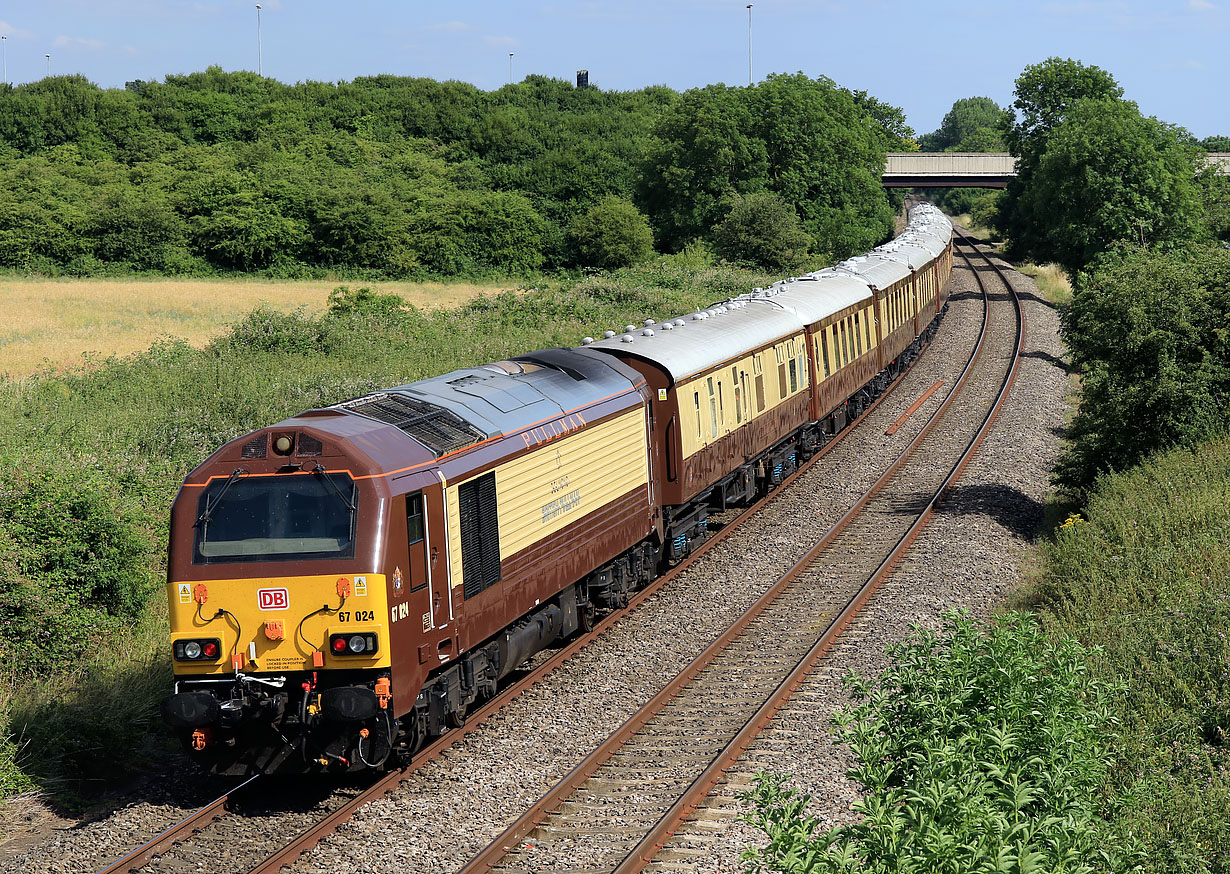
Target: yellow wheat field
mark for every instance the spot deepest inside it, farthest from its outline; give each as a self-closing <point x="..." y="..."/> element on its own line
<point x="59" y="323"/>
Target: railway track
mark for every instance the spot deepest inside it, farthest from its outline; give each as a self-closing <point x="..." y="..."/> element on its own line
<point x="615" y="810"/>
<point x="193" y="841"/>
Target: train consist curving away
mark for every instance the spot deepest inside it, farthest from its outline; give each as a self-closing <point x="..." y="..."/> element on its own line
<point x="345" y="583"/>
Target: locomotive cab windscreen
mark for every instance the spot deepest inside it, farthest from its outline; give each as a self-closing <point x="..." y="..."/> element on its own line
<point x="284" y="517"/>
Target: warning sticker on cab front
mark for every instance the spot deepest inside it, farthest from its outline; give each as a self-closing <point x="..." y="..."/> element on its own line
<point x="185" y="593"/>
<point x="273" y="599"/>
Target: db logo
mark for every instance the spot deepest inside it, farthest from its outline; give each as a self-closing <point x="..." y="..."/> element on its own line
<point x="273" y="599"/>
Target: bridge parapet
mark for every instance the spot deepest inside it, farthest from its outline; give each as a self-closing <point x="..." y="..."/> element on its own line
<point x="948" y="169"/>
<point x="969" y="169"/>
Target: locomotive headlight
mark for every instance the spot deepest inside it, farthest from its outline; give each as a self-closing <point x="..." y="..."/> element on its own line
<point x="198" y="650"/>
<point x="349" y="643"/>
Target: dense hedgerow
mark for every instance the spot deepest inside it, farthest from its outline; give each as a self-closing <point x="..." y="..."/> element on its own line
<point x="980" y="750"/>
<point x="1146" y="330"/>
<point x="1143" y="574"/>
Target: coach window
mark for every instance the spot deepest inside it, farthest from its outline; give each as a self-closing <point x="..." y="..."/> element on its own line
<point x="858" y="335"/>
<point x="734" y="383"/>
<point x="781" y="381"/>
<point x="794" y="375"/>
<point x="845" y="349"/>
<point x="696" y="397"/>
<point x="713" y="417"/>
<point x="824" y="353"/>
<point x="758" y="371"/>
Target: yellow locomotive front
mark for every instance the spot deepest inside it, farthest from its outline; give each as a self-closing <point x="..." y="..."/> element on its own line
<point x="279" y="604"/>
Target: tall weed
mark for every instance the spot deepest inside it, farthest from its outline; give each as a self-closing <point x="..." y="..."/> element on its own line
<point x="978" y="750"/>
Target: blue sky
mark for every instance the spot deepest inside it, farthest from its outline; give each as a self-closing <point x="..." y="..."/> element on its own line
<point x="1170" y="55"/>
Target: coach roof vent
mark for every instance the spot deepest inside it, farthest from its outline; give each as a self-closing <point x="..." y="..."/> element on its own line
<point x="440" y="430"/>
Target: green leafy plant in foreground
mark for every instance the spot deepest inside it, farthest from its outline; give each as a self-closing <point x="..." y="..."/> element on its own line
<point x="979" y="750"/>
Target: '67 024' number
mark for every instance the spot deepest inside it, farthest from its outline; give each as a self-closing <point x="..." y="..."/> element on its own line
<point x="356" y="616"/>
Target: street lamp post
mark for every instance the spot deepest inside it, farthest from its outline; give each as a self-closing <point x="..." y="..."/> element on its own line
<point x="749" y="45"/>
<point x="259" y="70"/>
<point x="4" y="48"/>
<point x="48" y="57"/>
<point x="510" y="57"/>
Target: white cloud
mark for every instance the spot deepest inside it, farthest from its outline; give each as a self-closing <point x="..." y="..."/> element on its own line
<point x="449" y="27"/>
<point x="62" y="41"/>
<point x="1200" y="5"/>
<point x="1193" y="64"/>
<point x="8" y="30"/>
<point x="503" y="42"/>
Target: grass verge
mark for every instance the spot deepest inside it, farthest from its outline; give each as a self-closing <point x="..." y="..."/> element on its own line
<point x="1052" y="280"/>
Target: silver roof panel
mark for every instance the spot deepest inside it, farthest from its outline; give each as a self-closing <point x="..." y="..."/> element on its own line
<point x="815" y="296"/>
<point x="700" y="341"/>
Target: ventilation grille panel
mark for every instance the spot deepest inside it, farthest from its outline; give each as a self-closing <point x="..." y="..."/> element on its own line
<point x="440" y="430"/>
<point x="255" y="448"/>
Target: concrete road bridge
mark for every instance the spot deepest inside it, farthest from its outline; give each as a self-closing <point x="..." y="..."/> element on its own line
<point x="968" y="169"/>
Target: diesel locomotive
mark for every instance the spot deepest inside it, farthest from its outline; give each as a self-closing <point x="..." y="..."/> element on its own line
<point x="345" y="584"/>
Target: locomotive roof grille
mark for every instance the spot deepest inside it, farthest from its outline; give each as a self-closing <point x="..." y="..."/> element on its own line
<point x="438" y="429"/>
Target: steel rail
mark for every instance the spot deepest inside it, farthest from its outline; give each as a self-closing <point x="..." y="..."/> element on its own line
<point x="533" y="817"/>
<point x="142" y="854"/>
<point x="646" y="850"/>
<point x="327" y="825"/>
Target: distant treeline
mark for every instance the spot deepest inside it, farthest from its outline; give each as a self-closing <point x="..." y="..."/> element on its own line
<point x="216" y="171"/>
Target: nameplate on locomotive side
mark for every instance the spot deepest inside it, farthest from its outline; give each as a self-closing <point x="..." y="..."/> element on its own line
<point x="561" y="505"/>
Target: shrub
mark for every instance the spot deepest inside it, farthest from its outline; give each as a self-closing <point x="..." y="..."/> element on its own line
<point x="1143" y="575"/>
<point x="76" y="564"/>
<point x="268" y="330"/>
<point x="1146" y="331"/>
<point x="762" y="229"/>
<point x="979" y="750"/>
<point x="612" y="233"/>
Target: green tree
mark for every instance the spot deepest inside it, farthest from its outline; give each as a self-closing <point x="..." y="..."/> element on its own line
<point x="763" y="230"/>
<point x="972" y="125"/>
<point x="1044" y="95"/>
<point x="704" y="151"/>
<point x="1109" y="174"/>
<point x="811" y="143"/>
<point x="1214" y="188"/>
<point x="1147" y="331"/>
<point x="612" y="233"/>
